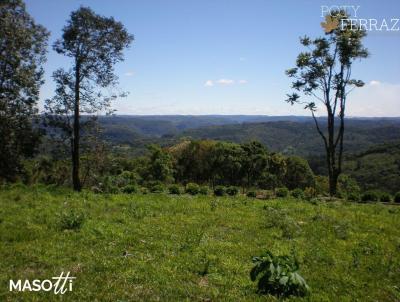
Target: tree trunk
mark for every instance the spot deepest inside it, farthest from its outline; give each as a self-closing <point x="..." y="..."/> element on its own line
<point x="75" y="152"/>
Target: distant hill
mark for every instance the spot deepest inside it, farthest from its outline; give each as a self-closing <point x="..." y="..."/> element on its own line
<point x="378" y="167"/>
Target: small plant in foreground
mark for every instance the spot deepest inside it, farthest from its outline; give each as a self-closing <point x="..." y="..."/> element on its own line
<point x="192" y="188"/>
<point x="71" y="220"/>
<point x="397" y="197"/>
<point x="251" y="194"/>
<point x="174" y="189"/>
<point x="298" y="193"/>
<point x="385" y="197"/>
<point x="369" y="196"/>
<point x="232" y="191"/>
<point x="219" y="191"/>
<point x="282" y="192"/>
<point x="278" y="275"/>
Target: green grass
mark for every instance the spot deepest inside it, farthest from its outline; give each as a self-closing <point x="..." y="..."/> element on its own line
<point x="194" y="248"/>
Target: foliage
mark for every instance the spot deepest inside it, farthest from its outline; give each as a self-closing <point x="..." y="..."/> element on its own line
<point x="71" y="220"/>
<point x="174" y="189"/>
<point x="95" y="44"/>
<point x="353" y="196"/>
<point x="298" y="193"/>
<point x="385" y="197"/>
<point x="156" y="188"/>
<point x="370" y="196"/>
<point x="310" y="193"/>
<point x="23" y="45"/>
<point x="298" y="173"/>
<point x="282" y="192"/>
<point x="323" y="72"/>
<point x="251" y="193"/>
<point x="232" y="190"/>
<point x="192" y="189"/>
<point x="278" y="275"/>
<point x="203" y="190"/>
<point x="397" y="197"/>
<point x="129" y="189"/>
<point x="219" y="191"/>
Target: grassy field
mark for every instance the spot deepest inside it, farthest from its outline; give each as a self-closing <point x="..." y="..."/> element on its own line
<point x="194" y="248"/>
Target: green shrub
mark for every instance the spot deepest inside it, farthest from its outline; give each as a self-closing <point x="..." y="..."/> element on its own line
<point x="278" y="276"/>
<point x="252" y="194"/>
<point x="192" y="188"/>
<point x="282" y="192"/>
<point x="385" y="197"/>
<point x="232" y="190"/>
<point x="353" y="196"/>
<point x="157" y="188"/>
<point x="144" y="190"/>
<point x="309" y="193"/>
<point x="174" y="189"/>
<point x="71" y="220"/>
<point x="219" y="191"/>
<point x="397" y="197"/>
<point x="203" y="190"/>
<point x="298" y="193"/>
<point x="129" y="189"/>
<point x="369" y="196"/>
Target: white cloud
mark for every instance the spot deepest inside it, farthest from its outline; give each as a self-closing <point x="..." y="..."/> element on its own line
<point x="374" y="82"/>
<point x="225" y="81"/>
<point x="209" y="83"/>
<point x="129" y="74"/>
<point x="243" y="82"/>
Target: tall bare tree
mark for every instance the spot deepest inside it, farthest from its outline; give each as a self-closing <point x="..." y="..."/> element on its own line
<point x="95" y="44"/>
<point x="323" y="75"/>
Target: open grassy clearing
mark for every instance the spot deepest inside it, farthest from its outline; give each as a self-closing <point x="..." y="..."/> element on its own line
<point x="198" y="248"/>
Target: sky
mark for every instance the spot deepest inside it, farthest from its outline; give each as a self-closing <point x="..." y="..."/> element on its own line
<point x="228" y="56"/>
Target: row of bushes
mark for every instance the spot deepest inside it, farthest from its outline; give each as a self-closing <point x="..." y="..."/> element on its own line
<point x="195" y="189"/>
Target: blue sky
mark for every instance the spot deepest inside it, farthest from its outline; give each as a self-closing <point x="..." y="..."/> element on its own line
<point x="227" y="57"/>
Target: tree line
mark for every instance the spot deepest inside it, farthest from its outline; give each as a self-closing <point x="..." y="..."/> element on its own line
<point x="95" y="43"/>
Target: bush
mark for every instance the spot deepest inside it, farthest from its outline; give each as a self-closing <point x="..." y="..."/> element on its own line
<point x="353" y="196"/>
<point x="252" y="194"/>
<point x="369" y="196"/>
<point x="129" y="189"/>
<point x="157" y="188"/>
<point x="71" y="220"/>
<point x="174" y="189"/>
<point x="279" y="276"/>
<point x="219" y="191"/>
<point x="232" y="190"/>
<point x="144" y="190"/>
<point x="298" y="193"/>
<point x="309" y="193"/>
<point x="397" y="197"/>
<point x="385" y="197"/>
<point x="192" y="188"/>
<point x="282" y="192"/>
<point x="203" y="190"/>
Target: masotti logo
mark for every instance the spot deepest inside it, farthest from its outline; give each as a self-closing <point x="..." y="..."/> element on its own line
<point x="59" y="285"/>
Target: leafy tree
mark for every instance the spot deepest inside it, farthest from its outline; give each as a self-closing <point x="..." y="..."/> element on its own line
<point x="23" y="46"/>
<point x="254" y="161"/>
<point x="95" y="44"/>
<point x="324" y="73"/>
<point x="298" y="173"/>
<point x="159" y="165"/>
